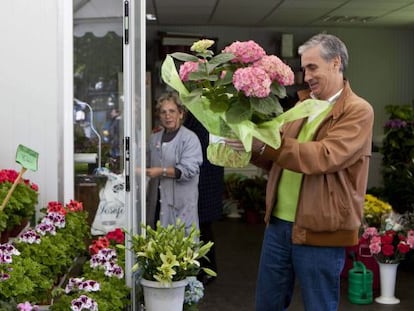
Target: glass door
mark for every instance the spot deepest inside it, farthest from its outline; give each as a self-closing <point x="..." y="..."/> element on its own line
<point x="109" y="115"/>
<point x="98" y="111"/>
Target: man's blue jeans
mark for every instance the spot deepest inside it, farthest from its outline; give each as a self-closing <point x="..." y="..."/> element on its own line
<point x="317" y="270"/>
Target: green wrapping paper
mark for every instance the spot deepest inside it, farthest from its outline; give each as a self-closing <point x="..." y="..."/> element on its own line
<point x="216" y="124"/>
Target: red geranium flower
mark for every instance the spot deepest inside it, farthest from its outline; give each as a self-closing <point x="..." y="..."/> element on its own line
<point x="116" y="235"/>
<point x="57" y="207"/>
<point x="74" y="206"/>
<point x="100" y="243"/>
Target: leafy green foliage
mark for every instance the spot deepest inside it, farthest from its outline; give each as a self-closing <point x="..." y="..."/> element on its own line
<point x="40" y="266"/>
<point x="168" y="254"/>
<point x="27" y="281"/>
<point x="398" y="158"/>
<point x="21" y="205"/>
<point x="248" y="191"/>
<point x="112" y="296"/>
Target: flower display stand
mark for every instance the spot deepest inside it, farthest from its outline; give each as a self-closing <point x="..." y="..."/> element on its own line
<point x="161" y="297"/>
<point x="388" y="276"/>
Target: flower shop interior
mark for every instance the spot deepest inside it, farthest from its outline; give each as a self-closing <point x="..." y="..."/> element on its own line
<point x="67" y="64"/>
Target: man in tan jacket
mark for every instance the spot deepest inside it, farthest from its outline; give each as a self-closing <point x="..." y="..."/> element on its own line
<point x="316" y="185"/>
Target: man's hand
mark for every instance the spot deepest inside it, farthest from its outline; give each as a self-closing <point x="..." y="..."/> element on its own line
<point x="237" y="145"/>
<point x="234" y="144"/>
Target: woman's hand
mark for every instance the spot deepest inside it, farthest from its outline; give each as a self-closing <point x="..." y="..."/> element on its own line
<point x="154" y="171"/>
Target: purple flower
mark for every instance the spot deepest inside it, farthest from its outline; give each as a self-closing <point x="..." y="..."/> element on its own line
<point x="44" y="228"/>
<point x="395" y="124"/>
<point x="30" y="237"/>
<point x="56" y="219"/>
<point x="84" y="303"/>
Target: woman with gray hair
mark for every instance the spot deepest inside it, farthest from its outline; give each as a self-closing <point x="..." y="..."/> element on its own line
<point x="174" y="154"/>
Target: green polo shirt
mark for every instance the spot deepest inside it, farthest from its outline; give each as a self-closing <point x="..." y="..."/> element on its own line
<point x="290" y="181"/>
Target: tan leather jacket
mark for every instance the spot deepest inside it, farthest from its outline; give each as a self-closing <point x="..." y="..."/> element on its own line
<point x="335" y="167"/>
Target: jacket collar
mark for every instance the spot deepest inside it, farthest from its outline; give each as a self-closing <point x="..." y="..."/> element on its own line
<point x="338" y="107"/>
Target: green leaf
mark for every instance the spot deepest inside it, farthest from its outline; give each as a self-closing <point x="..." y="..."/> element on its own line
<point x="201" y="75"/>
<point x="278" y="90"/>
<point x="266" y="106"/>
<point x="221" y="59"/>
<point x="219" y="103"/>
<point x="185" y="57"/>
<point x="198" y="75"/>
<point x="226" y="80"/>
<point x="218" y="60"/>
<point x="239" y="111"/>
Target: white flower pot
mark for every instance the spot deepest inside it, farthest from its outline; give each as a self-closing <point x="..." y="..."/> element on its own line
<point x="161" y="297"/>
<point x="388" y="276"/>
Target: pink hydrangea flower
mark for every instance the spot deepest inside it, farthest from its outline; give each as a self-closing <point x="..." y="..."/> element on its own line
<point x="186" y="69"/>
<point x="245" y="52"/>
<point x="276" y="69"/>
<point x="252" y="81"/>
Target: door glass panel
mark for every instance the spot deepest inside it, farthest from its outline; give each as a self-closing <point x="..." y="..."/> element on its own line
<point x="98" y="109"/>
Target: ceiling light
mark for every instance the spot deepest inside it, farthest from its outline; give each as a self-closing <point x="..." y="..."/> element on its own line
<point x="342" y="19"/>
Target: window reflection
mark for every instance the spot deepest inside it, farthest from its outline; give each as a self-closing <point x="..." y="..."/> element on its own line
<point x="98" y="124"/>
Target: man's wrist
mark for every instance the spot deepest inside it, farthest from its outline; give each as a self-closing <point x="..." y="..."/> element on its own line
<point x="164" y="172"/>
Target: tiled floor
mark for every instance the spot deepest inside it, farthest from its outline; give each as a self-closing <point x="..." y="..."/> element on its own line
<point x="238" y="248"/>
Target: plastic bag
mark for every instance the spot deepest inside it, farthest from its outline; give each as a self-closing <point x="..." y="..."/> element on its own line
<point x="111" y="212"/>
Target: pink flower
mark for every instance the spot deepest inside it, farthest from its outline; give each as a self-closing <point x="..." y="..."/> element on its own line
<point x="410" y="238"/>
<point x="27" y="307"/>
<point x="252" y="81"/>
<point x="186" y="69"/>
<point x="276" y="69"/>
<point x="245" y="52"/>
<point x="375" y="245"/>
<point x="370" y="231"/>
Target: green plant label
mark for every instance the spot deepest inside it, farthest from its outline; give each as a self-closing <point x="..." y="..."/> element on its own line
<point x="27" y="157"/>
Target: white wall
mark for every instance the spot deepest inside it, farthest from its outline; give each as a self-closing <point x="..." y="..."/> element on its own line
<point x="33" y="82"/>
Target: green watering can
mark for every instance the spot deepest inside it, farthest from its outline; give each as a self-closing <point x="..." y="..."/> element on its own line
<point x="360" y="284"/>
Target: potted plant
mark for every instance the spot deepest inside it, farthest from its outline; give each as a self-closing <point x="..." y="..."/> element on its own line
<point x="37" y="260"/>
<point x="248" y="192"/>
<point x="166" y="257"/>
<point x="20" y="208"/>
<point x="389" y="245"/>
<point x="101" y="285"/>
<point x="398" y="152"/>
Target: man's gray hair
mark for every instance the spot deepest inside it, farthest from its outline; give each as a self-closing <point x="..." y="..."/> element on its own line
<point x="331" y="46"/>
